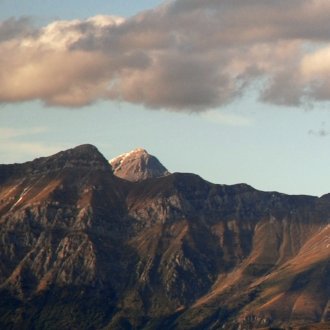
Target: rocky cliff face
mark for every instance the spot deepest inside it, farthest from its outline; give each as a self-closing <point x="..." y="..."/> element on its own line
<point x="82" y="248"/>
<point x="137" y="165"/>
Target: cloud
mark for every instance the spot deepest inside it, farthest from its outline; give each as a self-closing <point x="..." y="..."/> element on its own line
<point x="13" y="28"/>
<point x="8" y="133"/>
<point x="321" y="132"/>
<point x="14" y="144"/>
<point x="185" y="55"/>
<point x="27" y="148"/>
<point x="226" y="119"/>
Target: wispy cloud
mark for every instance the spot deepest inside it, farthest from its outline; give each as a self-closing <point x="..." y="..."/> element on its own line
<point x="184" y="55"/>
<point x="321" y="132"/>
<point x="15" y="144"/>
<point x="226" y="119"/>
<point x="27" y="148"/>
<point x="8" y="133"/>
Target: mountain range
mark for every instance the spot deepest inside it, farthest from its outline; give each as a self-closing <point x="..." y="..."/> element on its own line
<point x="90" y="244"/>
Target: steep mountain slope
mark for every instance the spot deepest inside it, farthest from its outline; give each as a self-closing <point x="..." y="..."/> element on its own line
<point x="137" y="165"/>
<point x="236" y="248"/>
<point x="82" y="248"/>
<point x="60" y="219"/>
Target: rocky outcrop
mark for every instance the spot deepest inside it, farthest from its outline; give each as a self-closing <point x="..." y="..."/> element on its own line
<point x="80" y="247"/>
<point x="137" y="165"/>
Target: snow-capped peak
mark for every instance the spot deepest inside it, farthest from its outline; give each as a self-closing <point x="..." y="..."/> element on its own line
<point x="137" y="165"/>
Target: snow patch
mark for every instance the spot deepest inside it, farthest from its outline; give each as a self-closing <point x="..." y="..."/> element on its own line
<point x="121" y="158"/>
<point x="24" y="192"/>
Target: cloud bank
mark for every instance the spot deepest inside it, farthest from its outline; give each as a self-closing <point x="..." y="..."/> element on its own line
<point x="184" y="55"/>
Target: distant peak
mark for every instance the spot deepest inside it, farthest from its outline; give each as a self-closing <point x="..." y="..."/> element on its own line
<point x="140" y="150"/>
<point x="137" y="165"/>
<point x="135" y="152"/>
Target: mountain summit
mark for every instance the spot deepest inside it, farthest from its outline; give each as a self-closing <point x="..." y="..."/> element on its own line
<point x="83" y="249"/>
<point x="137" y="165"/>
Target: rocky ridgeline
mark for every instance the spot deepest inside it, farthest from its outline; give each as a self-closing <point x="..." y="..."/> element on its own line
<point x="81" y="247"/>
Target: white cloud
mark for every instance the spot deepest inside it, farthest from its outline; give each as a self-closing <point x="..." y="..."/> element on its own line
<point x="186" y="55"/>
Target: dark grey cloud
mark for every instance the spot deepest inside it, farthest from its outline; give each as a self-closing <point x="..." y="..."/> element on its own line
<point x="12" y="28"/>
<point x="185" y="55"/>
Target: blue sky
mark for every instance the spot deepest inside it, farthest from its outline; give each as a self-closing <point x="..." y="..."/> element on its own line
<point x="280" y="143"/>
<point x="71" y="9"/>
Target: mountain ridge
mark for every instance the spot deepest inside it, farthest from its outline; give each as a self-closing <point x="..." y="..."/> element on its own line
<point x="174" y="252"/>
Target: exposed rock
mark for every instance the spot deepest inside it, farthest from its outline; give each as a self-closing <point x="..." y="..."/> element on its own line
<point x="81" y="248"/>
<point x="137" y="165"/>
